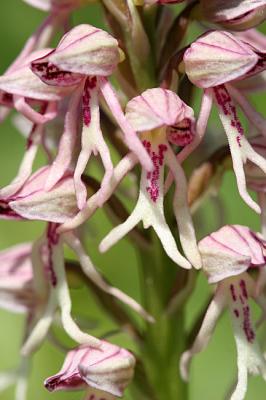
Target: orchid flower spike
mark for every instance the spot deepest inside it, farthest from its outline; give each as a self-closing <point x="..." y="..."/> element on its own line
<point x="85" y="57"/>
<point x="102" y="373"/>
<point x="213" y="62"/>
<point x="227" y="257"/>
<point x="234" y="15"/>
<point x="161" y="118"/>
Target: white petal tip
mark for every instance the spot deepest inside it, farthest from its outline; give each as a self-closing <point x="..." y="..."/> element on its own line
<point x="184" y="365"/>
<point x="103" y="246"/>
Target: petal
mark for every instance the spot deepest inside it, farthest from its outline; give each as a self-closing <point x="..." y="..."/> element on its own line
<point x="235" y="15"/>
<point x="153" y="109"/>
<point x="122" y="230"/>
<point x="208" y="325"/>
<point x="86" y="50"/>
<point x="254" y="117"/>
<point x="41" y="328"/>
<point x="149" y="209"/>
<point x="249" y="357"/>
<point x="131" y="138"/>
<point x="122" y="168"/>
<point x="239" y="147"/>
<point x="67" y="142"/>
<point x="57" y="205"/>
<point x="52" y="75"/>
<point x="109" y="371"/>
<point x="62" y="295"/>
<point x="185" y="225"/>
<point x="15" y="267"/>
<point x="23" y="82"/>
<point x="92" y="273"/>
<point x="91" y="142"/>
<point x="218" y="57"/>
<point x="201" y="125"/>
<point x="26" y="165"/>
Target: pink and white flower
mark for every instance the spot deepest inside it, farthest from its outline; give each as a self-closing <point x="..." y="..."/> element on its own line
<point x="213" y="62"/>
<point x="161" y="118"/>
<point x="103" y="373"/>
<point x="227" y="257"/>
<point x="85" y="57"/>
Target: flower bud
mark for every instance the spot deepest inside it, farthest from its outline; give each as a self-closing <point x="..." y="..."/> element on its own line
<point x="235" y="14"/>
<point x="218" y="57"/>
<point x="108" y="369"/>
<point x="231" y="250"/>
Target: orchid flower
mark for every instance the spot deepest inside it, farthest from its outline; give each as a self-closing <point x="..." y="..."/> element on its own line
<point x="227" y="257"/>
<point x="234" y="15"/>
<point x="161" y="118"/>
<point x="212" y="62"/>
<point x="85" y="57"/>
<point x="102" y="373"/>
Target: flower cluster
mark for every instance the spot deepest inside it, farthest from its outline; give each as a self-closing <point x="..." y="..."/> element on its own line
<point x="128" y="93"/>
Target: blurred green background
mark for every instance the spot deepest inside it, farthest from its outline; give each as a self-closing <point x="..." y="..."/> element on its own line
<point x="214" y="370"/>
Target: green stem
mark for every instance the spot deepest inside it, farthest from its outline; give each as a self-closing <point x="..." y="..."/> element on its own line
<point x="164" y="341"/>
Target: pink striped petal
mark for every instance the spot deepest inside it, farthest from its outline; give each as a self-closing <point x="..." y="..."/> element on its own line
<point x="235" y="15"/>
<point x="218" y="57"/>
<point x="108" y="369"/>
<point x="230" y="251"/>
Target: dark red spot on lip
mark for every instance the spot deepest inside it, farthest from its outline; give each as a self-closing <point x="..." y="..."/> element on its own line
<point x="154" y="176"/>
<point x="236" y="312"/>
<point x="52" y="75"/>
<point x="249" y="333"/>
<point x="86" y="108"/>
<point x="233" y="293"/>
<point x="243" y="288"/>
